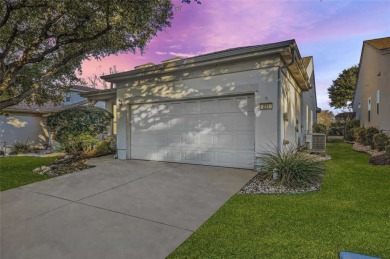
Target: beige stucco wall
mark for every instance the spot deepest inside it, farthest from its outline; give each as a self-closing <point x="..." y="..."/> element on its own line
<point x="24" y="128"/>
<point x="291" y="106"/>
<point x="309" y="103"/>
<point x="258" y="76"/>
<point x="373" y="62"/>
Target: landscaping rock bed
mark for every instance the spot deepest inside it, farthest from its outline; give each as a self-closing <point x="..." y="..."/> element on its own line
<point x="260" y="185"/>
<point x="66" y="165"/>
<point x="367" y="149"/>
<point x="377" y="157"/>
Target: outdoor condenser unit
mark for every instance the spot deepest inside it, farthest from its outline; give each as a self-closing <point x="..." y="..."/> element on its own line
<point x="316" y="142"/>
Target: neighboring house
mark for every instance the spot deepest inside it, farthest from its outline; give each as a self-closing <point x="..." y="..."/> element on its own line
<point x="215" y="109"/>
<point x="372" y="93"/>
<point x="26" y="123"/>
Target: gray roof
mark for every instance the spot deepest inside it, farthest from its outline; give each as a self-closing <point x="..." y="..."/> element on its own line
<point x="202" y="58"/>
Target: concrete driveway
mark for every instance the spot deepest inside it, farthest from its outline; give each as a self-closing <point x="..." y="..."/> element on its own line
<point x="119" y="209"/>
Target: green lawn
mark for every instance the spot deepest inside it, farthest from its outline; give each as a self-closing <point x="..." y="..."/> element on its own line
<point x="350" y="213"/>
<point x="17" y="170"/>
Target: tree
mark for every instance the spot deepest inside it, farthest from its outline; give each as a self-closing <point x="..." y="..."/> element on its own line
<point x="342" y="90"/>
<point x="326" y="118"/>
<point x="77" y="126"/>
<point x="96" y="82"/>
<point x="43" y="42"/>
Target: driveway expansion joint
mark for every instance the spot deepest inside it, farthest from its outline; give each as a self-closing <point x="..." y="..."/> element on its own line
<point x="134" y="180"/>
<point x="137" y="217"/>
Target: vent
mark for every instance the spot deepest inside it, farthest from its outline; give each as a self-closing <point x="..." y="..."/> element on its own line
<point x="145" y="65"/>
<point x="171" y="60"/>
<point x="316" y="142"/>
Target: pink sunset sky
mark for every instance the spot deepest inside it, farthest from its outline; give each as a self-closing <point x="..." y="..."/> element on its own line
<point x="331" y="31"/>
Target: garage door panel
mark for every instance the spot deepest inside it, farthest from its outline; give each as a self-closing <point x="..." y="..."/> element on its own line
<point x="207" y="156"/>
<point x="223" y="122"/>
<point x="190" y="107"/>
<point x="174" y="154"/>
<point x="191" y="155"/>
<point x="175" y="108"/>
<point x="211" y="132"/>
<point x="190" y="123"/>
<point x="224" y="140"/>
<point x="190" y="138"/>
<point x="175" y="139"/>
<point x="244" y="141"/>
<point x="206" y="139"/>
<point x="207" y="107"/>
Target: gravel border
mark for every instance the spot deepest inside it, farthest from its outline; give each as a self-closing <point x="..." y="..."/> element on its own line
<point x="259" y="185"/>
<point x="367" y="149"/>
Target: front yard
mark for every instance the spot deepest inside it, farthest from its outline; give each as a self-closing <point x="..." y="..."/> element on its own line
<point x="17" y="170"/>
<point x="350" y="213"/>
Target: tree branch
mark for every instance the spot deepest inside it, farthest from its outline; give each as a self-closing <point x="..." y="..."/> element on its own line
<point x="18" y="98"/>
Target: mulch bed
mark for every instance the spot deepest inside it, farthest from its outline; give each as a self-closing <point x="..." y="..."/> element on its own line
<point x="377" y="157"/>
<point x="380" y="160"/>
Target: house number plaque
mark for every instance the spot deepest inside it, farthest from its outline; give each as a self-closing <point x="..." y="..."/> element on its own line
<point x="266" y="106"/>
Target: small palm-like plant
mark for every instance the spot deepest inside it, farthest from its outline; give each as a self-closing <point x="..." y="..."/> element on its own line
<point x="21" y="148"/>
<point x="289" y="167"/>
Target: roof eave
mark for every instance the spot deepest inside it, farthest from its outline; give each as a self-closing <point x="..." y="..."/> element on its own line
<point x="201" y="60"/>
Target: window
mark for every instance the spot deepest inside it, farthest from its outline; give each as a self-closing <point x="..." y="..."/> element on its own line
<point x="369" y="109"/>
<point x="377" y="101"/>
<point x="67" y="98"/>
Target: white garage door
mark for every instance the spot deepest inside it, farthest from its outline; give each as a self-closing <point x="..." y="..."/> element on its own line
<point x="217" y="132"/>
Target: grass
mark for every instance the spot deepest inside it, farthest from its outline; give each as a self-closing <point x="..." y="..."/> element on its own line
<point x="17" y="170"/>
<point x="350" y="213"/>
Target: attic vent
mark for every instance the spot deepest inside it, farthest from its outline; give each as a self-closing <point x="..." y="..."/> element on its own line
<point x="145" y="65"/>
<point x="171" y="60"/>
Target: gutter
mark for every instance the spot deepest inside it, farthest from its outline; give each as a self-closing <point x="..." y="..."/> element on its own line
<point x="279" y="104"/>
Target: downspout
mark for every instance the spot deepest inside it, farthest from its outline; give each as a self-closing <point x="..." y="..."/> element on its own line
<point x="279" y="104"/>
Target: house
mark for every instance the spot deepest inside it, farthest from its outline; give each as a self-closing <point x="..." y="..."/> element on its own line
<point x="26" y="123"/>
<point x="215" y="109"/>
<point x="372" y="93"/>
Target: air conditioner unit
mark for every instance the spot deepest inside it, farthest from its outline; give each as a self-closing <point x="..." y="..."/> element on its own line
<point x="316" y="142"/>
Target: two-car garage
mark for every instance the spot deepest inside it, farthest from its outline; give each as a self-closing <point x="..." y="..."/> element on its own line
<point x="211" y="131"/>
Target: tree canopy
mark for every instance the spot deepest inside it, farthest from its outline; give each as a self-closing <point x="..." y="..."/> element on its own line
<point x="326" y="118"/>
<point x="79" y="120"/>
<point x="43" y="42"/>
<point x="342" y="90"/>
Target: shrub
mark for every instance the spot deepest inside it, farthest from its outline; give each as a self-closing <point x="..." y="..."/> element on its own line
<point x="293" y="168"/>
<point x="349" y="135"/>
<point x="369" y="138"/>
<point x="2" y="153"/>
<point x="81" y="144"/>
<point x="388" y="150"/>
<point x="77" y="129"/>
<point x="58" y="148"/>
<point x="350" y="126"/>
<point x="21" y="148"/>
<point x="77" y="121"/>
<point x="319" y="128"/>
<point x="360" y="135"/>
<point x="336" y="129"/>
<point x="104" y="146"/>
<point x="381" y="140"/>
